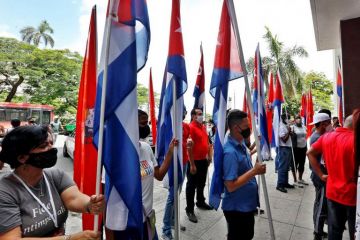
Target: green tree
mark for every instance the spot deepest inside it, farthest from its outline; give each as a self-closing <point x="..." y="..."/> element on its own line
<point x="29" y="74"/>
<point x="35" y="35"/>
<point x="321" y="89"/>
<point x="143" y="96"/>
<point x="282" y="58"/>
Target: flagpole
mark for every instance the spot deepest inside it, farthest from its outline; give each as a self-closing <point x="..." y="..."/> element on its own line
<point x="231" y="9"/>
<point x="102" y="110"/>
<point x="175" y="162"/>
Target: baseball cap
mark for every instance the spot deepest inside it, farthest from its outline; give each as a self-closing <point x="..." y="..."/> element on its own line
<point x="320" y="117"/>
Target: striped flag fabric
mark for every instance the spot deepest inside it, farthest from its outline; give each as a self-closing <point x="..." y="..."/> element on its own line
<point x="259" y="106"/>
<point x="152" y="109"/>
<point x="85" y="154"/>
<point x="303" y="109"/>
<point x="128" y="48"/>
<point x="175" y="73"/>
<point x="199" y="90"/>
<point x="309" y="114"/>
<point x="278" y="101"/>
<point x="270" y="110"/>
<point x="226" y="68"/>
<point x="339" y="95"/>
<point x="246" y="109"/>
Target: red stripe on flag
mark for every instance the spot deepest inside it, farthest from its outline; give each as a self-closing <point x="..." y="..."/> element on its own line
<point x="85" y="155"/>
<point x="152" y="108"/>
<point x="309" y="114"/>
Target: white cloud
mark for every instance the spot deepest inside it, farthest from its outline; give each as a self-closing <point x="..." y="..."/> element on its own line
<point x="5" y="31"/>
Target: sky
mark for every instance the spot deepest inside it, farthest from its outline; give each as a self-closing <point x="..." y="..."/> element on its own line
<point x="291" y="21"/>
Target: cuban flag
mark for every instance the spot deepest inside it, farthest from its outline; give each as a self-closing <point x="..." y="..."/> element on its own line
<point x="339" y="95"/>
<point x="303" y="109"/>
<point x="128" y="48"/>
<point x="259" y="106"/>
<point x="278" y="101"/>
<point x="270" y="110"/>
<point x="175" y="73"/>
<point x="199" y="90"/>
<point x="226" y="68"/>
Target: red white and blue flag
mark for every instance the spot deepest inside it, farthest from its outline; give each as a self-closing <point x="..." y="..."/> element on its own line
<point x="270" y="110"/>
<point x="226" y="68"/>
<point x="128" y="48"/>
<point x="175" y="73"/>
<point x="303" y="109"/>
<point x="278" y="101"/>
<point x="199" y="90"/>
<point x="259" y="106"/>
<point x="339" y="95"/>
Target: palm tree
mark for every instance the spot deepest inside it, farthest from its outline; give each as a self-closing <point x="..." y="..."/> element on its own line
<point x="30" y="34"/>
<point x="283" y="59"/>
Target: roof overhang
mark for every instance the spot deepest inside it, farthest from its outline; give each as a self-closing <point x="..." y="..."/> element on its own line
<point x="327" y="15"/>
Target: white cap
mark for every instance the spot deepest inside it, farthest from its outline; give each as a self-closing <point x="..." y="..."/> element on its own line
<point x="320" y="117"/>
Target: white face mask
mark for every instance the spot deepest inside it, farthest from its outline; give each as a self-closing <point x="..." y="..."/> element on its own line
<point x="199" y="119"/>
<point x="329" y="128"/>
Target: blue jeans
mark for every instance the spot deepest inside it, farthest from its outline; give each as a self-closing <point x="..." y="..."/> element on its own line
<point x="277" y="159"/>
<point x="168" y="219"/>
<point x="285" y="156"/>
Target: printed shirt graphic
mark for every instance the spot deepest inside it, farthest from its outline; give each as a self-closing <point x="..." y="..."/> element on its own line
<point x="147" y="165"/>
<point x="19" y="208"/>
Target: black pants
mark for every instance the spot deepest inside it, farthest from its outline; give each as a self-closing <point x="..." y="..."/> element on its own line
<point x="196" y="181"/>
<point x="240" y="225"/>
<point x="320" y="208"/>
<point x="338" y="214"/>
<point x="300" y="156"/>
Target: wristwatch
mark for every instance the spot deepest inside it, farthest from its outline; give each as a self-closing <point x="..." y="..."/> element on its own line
<point x="67" y="237"/>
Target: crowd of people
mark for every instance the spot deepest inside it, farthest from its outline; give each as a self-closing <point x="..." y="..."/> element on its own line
<point x="35" y="198"/>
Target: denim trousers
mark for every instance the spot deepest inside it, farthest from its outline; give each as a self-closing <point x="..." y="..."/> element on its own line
<point x="168" y="219"/>
<point x="285" y="156"/>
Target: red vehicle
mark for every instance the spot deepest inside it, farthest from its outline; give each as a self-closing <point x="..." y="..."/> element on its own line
<point x="42" y="114"/>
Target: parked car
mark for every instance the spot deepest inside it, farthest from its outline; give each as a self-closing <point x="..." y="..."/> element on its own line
<point x="69" y="145"/>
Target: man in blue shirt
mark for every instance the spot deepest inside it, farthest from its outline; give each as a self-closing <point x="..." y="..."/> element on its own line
<point x="241" y="190"/>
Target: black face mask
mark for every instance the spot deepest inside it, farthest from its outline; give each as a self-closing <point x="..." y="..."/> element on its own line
<point x="43" y="159"/>
<point x="245" y="133"/>
<point x="144" y="131"/>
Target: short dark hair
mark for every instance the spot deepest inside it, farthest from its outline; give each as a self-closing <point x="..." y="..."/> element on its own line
<point x="15" y="122"/>
<point x="193" y="111"/>
<point x="327" y="111"/>
<point x="20" y="141"/>
<point x="142" y="113"/>
<point x="333" y="118"/>
<point x="234" y="116"/>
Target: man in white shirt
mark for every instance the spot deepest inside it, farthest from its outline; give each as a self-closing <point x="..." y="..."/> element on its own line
<point x="285" y="155"/>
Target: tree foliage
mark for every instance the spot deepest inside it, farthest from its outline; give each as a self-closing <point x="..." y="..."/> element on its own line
<point x="282" y="59"/>
<point x="35" y="35"/>
<point x="143" y="96"/>
<point x="321" y="89"/>
<point x="39" y="76"/>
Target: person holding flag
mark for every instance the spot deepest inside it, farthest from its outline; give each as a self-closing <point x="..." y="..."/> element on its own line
<point x="124" y="52"/>
<point x="170" y="116"/>
<point x="241" y="197"/>
<point x="149" y="169"/>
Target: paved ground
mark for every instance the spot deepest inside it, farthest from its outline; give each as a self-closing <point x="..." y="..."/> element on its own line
<point x="291" y="212"/>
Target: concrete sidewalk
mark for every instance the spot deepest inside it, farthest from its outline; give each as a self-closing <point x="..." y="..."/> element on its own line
<point x="291" y="213"/>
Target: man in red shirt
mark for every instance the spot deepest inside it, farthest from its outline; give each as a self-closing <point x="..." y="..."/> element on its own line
<point x="200" y="151"/>
<point x="337" y="149"/>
